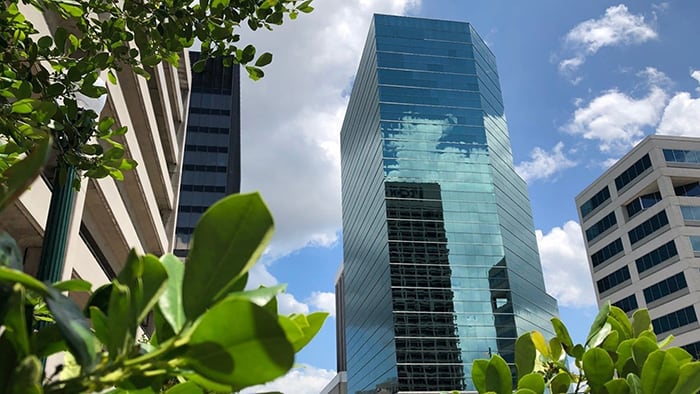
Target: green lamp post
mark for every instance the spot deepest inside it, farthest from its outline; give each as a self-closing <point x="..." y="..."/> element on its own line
<point x="53" y="249"/>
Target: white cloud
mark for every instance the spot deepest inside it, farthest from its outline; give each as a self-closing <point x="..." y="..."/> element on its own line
<point x="616" y="120"/>
<point x="682" y="114"/>
<point x="544" y="164"/>
<point x="303" y="380"/>
<point x="286" y="304"/>
<point x="323" y="301"/>
<point x="617" y="27"/>
<point x="565" y="266"/>
<point x="291" y="119"/>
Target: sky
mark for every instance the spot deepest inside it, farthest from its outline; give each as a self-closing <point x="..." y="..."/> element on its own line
<point x="582" y="82"/>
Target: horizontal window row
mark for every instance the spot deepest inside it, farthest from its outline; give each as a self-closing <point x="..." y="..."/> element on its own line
<point x="688" y="190"/>
<point x="690" y="213"/>
<point x="594" y="202"/>
<point x="184" y="230"/>
<point x="209" y="111"/>
<point x="647" y="227"/>
<point x="674" y="320"/>
<point x="206" y="148"/>
<point x="208" y="130"/>
<point x="614" y="279"/>
<point x="192" y="208"/>
<point x="607" y="252"/>
<point x="627" y="304"/>
<point x="665" y="287"/>
<point x="632" y="172"/>
<point x="693" y="349"/>
<point x="203" y="188"/>
<point x="656" y="256"/>
<point x="203" y="168"/>
<point x="601" y="226"/>
<point x="642" y="202"/>
<point x="682" y="156"/>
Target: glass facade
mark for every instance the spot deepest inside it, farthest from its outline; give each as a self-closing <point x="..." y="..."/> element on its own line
<point x="211" y="165"/>
<point x="440" y="258"/>
<point x="682" y="156"/>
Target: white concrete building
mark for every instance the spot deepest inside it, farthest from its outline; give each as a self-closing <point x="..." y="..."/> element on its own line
<point x="111" y="217"/>
<point x="641" y="227"/>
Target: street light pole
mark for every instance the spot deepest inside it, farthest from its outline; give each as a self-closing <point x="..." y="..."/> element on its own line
<point x="53" y="248"/>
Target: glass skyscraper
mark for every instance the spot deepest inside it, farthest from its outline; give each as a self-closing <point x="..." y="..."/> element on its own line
<point x="440" y="257"/>
<point x="212" y="162"/>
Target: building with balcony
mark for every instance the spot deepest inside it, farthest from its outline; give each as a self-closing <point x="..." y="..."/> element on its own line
<point x="441" y="265"/>
<point x="641" y="226"/>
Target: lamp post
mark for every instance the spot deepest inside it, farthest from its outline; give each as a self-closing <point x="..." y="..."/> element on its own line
<point x="53" y="248"/>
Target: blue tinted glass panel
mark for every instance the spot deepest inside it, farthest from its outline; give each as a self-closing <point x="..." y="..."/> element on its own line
<point x="627" y="304"/>
<point x="649" y="226"/>
<point x="665" y="287"/>
<point x="690" y="213"/>
<point x="656" y="256"/>
<point x="641" y="203"/>
<point x="688" y="190"/>
<point x="674" y="320"/>
<point x="601" y="226"/>
<point x="632" y="172"/>
<point x="599" y="198"/>
<point x="607" y="252"/>
<point x="682" y="156"/>
<point x="614" y="279"/>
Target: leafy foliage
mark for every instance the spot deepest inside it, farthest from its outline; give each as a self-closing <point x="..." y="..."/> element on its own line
<point x="619" y="357"/>
<point x="212" y="336"/>
<point x="45" y="80"/>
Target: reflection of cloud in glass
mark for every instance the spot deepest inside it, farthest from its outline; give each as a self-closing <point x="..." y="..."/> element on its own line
<point x="413" y="141"/>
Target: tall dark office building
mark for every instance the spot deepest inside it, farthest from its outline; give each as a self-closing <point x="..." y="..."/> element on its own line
<point x="440" y="257"/>
<point x="212" y="163"/>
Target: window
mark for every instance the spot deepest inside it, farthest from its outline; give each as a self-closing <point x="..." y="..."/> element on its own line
<point x="197" y="167"/>
<point x="675" y="319"/>
<point x="695" y="243"/>
<point x="652" y="224"/>
<point x="642" y="202"/>
<point x="688" y="190"/>
<point x="657" y="256"/>
<point x="613" y="279"/>
<point x="690" y="213"/>
<point x="682" y="156"/>
<point x="206" y="148"/>
<point x="607" y="252"/>
<point x="600" y="227"/>
<point x="633" y="172"/>
<point x="597" y="200"/>
<point x="693" y="349"/>
<point x="627" y="304"/>
<point x="210" y="111"/>
<point x="209" y="130"/>
<point x="665" y="287"/>
<point x="203" y="188"/>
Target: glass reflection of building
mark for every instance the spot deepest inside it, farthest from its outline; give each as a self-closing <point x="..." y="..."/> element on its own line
<point x="211" y="165"/>
<point x="440" y="257"/>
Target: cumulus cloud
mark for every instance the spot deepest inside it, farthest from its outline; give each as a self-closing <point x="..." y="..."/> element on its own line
<point x="291" y="118"/>
<point x="543" y="164"/>
<point x="323" y="301"/>
<point x="682" y="114"/>
<point x="303" y="380"/>
<point x="616" y="27"/>
<point x="617" y="120"/>
<point x="565" y="266"/>
<point x="287" y="304"/>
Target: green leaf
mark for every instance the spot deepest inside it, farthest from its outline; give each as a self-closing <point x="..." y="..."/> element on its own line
<point x="111" y="77"/>
<point x="624" y="352"/>
<point x="641" y="348"/>
<point x="73" y="285"/>
<point x="170" y="303"/>
<point x="680" y="354"/>
<point x="611" y="341"/>
<point x="45" y="42"/>
<point x="260" y="296"/>
<point x="70" y="9"/>
<point x="617" y="386"/>
<point x="15" y="322"/>
<point x="100" y="324"/>
<point x="8" y="360"/>
<point x="666" y="341"/>
<point x="74" y="327"/>
<point x="560" y="383"/>
<point x="254" y="73"/>
<point x="252" y="351"/>
<point x="14" y="276"/>
<point x="525" y="354"/>
<point x="120" y="321"/>
<point x="48" y="341"/>
<point x="21" y="174"/>
<point x="688" y="379"/>
<point x="624" y="325"/>
<point x="599" y="321"/>
<point x="230" y="236"/>
<point x="634" y="383"/>
<point x="525" y="391"/>
<point x="27" y="377"/>
<point x="146" y="278"/>
<point x="533" y="381"/>
<point x="264" y="60"/>
<point x="660" y="372"/>
<point x="600" y="335"/>
<point x="300" y="329"/>
<point x="640" y="321"/>
<point x="185" y="388"/>
<point x="558" y="354"/>
<point x="199" y="65"/>
<point x="598" y="367"/>
<point x="479" y="374"/>
<point x="498" y="378"/>
<point x="540" y="343"/>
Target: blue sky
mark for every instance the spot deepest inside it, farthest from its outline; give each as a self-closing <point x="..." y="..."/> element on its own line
<point x="582" y="81"/>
